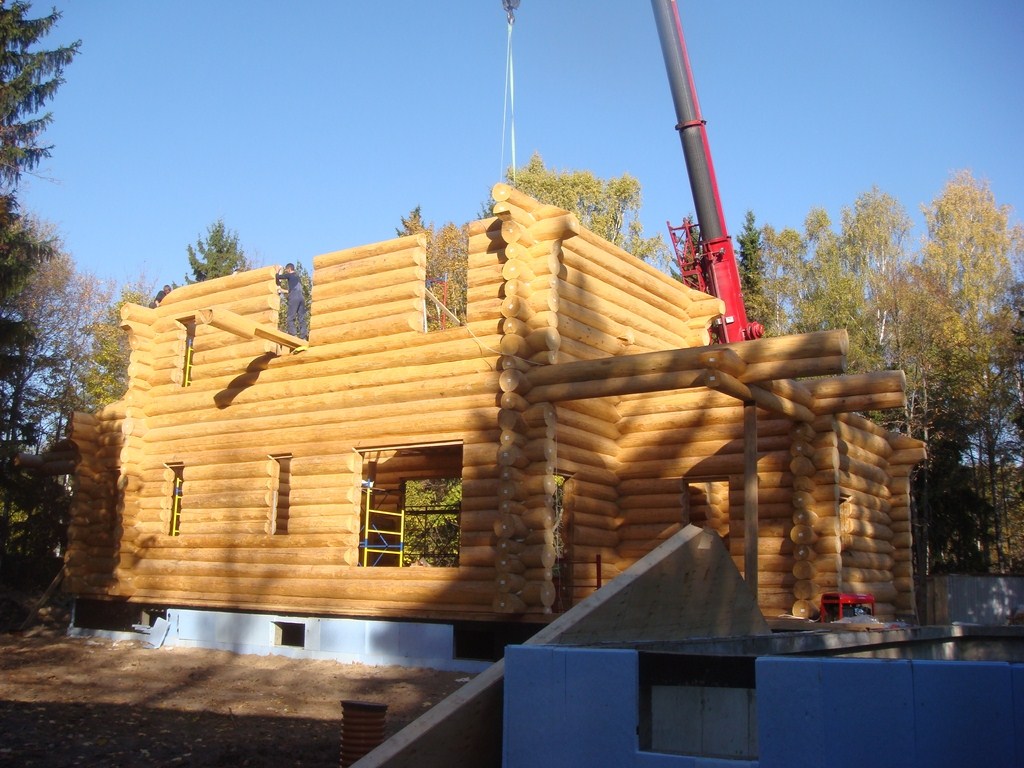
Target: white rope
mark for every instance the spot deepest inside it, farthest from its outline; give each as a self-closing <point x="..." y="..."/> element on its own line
<point x="508" y="116"/>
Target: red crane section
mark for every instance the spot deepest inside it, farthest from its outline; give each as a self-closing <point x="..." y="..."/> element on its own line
<point x="706" y="261"/>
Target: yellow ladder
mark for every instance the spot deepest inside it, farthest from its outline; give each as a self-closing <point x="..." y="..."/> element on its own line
<point x="383" y="532"/>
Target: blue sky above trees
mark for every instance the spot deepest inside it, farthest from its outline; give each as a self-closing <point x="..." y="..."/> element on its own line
<point x="315" y="126"/>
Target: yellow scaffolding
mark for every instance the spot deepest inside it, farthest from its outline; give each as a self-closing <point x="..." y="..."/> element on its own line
<point x="379" y="541"/>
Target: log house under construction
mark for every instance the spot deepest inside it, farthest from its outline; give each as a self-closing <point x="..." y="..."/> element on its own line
<point x="580" y="405"/>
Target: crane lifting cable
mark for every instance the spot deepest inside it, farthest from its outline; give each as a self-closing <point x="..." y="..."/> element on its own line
<point x="508" y="118"/>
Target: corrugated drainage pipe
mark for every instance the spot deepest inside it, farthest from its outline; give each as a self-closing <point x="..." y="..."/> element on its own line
<point x="362" y="729"/>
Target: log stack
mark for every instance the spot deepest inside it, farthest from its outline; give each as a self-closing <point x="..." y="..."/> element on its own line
<point x="578" y="402"/>
<point x="96" y="507"/>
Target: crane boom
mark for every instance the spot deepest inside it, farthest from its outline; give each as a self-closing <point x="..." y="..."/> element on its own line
<point x="712" y="262"/>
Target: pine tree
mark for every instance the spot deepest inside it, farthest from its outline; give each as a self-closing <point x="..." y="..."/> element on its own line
<point x="217" y="255"/>
<point x="413" y="223"/>
<point x="28" y="80"/>
<point x="751" y="265"/>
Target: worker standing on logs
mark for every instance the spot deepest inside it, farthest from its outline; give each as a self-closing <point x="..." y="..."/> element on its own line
<point x="289" y="278"/>
<point x="160" y="297"/>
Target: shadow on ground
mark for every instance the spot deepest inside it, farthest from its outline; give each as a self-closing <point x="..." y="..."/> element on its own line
<point x="49" y="734"/>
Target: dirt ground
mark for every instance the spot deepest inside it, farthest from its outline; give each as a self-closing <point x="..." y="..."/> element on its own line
<point x="89" y="702"/>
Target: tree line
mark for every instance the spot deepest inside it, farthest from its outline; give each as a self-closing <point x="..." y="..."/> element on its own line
<point x="947" y="310"/>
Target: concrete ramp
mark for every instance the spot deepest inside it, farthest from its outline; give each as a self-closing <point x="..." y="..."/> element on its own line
<point x="687" y="587"/>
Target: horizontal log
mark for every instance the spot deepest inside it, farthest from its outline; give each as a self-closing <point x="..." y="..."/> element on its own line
<point x="607" y="521"/>
<point x="417" y="241"/>
<point x="401" y="307"/>
<point x="691" y="423"/>
<point x="539" y="594"/>
<point x="601" y="414"/>
<point x="879" y="561"/>
<point x="592" y="484"/>
<point x="685" y="448"/>
<point x="600" y="259"/>
<point x="381" y="288"/>
<point x="793" y="368"/>
<point x="574" y="316"/>
<point x="610" y="387"/>
<point x="849" y="541"/>
<point x="578" y="339"/>
<point x="866" y="529"/>
<point x="188" y="296"/>
<point x="775" y="350"/>
<point x="872" y="383"/>
<point x="908" y="456"/>
<point x="878" y="402"/>
<point x="330" y="280"/>
<point x="323" y="331"/>
<point x="384" y="587"/>
<point x="703" y="466"/>
<point x="651" y="327"/>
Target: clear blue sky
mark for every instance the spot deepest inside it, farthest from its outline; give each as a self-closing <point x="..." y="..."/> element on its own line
<point x="314" y="125"/>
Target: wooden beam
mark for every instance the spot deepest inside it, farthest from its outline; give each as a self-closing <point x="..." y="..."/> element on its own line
<point x="823" y="345"/>
<point x="766" y="399"/>
<point x="612" y="386"/>
<point x="872" y="383"/>
<point x="868" y="402"/>
<point x="226" y="320"/>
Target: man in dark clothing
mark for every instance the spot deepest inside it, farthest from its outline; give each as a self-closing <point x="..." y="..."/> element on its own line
<point x="160" y="296"/>
<point x="289" y="279"/>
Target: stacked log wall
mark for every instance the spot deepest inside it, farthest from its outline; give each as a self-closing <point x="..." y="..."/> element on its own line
<point x="681" y="460"/>
<point x="816" y="562"/>
<point x="907" y="453"/>
<point x="569" y="295"/>
<point x="92" y="546"/>
<point x="865" y="525"/>
<point x="586" y="447"/>
<point x="249" y="401"/>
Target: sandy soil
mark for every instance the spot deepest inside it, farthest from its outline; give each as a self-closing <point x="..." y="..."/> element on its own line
<point x="81" y="701"/>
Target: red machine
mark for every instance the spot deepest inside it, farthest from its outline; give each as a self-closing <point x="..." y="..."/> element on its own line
<point x="843" y="605"/>
<point x="706" y="262"/>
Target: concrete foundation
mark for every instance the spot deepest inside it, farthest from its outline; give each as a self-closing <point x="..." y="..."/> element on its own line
<point x="365" y="641"/>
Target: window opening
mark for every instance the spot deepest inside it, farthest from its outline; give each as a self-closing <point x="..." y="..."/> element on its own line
<point x="177" y="484"/>
<point x="703" y="706"/>
<point x="280" y="482"/>
<point x="411" y="499"/>
<point x="291" y="634"/>
<point x="190" y="342"/>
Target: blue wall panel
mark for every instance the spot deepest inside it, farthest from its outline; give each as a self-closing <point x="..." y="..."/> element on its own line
<point x="963" y="714"/>
<point x="863" y="698"/>
<point x="1018" y="712"/>
<point x="790" y="713"/>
